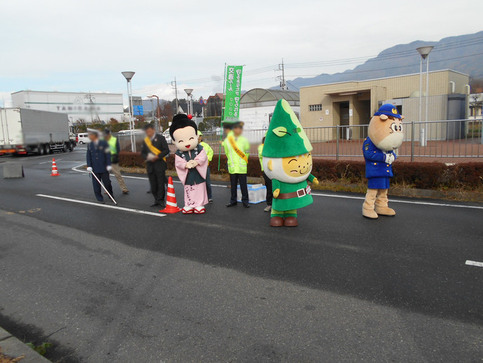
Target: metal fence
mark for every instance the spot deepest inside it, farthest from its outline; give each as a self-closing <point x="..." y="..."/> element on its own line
<point x="452" y="140"/>
<point x="449" y="140"/>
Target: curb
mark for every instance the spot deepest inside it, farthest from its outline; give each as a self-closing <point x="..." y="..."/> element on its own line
<point x="14" y="348"/>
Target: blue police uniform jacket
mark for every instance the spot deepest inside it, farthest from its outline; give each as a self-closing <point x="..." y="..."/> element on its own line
<point x="98" y="156"/>
<point x="376" y="166"/>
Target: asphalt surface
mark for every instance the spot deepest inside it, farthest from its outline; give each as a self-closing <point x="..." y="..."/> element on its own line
<point x="109" y="285"/>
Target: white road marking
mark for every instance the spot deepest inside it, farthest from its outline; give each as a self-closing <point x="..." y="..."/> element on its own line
<point x="49" y="161"/>
<point x="328" y="195"/>
<point x="138" y="211"/>
<point x="474" y="263"/>
<point x="402" y="201"/>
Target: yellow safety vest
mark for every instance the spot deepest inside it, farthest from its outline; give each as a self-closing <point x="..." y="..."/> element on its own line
<point x="260" y="157"/>
<point x="113" y="145"/>
<point x="237" y="151"/>
<point x="208" y="150"/>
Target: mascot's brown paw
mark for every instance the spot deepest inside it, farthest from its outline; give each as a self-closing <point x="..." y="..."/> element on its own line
<point x="369" y="213"/>
<point x="276" y="221"/>
<point x="385" y="211"/>
<point x="290" y="222"/>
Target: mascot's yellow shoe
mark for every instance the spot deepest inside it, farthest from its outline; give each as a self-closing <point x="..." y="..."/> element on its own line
<point x="385" y="211"/>
<point x="369" y="204"/>
<point x="381" y="205"/>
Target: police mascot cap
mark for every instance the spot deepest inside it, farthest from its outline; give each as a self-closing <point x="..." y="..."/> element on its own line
<point x="388" y="110"/>
<point x="181" y="121"/>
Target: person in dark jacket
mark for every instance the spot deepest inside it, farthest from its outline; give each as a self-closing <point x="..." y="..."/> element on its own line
<point x="99" y="163"/>
<point x="154" y="151"/>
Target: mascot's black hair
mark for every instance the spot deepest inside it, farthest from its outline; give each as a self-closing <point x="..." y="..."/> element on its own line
<point x="180" y="121"/>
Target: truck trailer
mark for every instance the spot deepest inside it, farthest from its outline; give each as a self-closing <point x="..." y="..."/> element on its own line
<point x="24" y="131"/>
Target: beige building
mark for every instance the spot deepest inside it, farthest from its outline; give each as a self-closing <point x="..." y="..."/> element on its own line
<point x="353" y="103"/>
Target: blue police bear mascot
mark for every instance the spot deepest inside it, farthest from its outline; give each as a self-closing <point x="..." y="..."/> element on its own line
<point x="385" y="135"/>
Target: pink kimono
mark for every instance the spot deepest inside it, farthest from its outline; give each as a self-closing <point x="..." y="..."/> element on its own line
<point x="194" y="180"/>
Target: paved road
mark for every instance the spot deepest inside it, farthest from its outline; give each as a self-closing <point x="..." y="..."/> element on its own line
<point x="112" y="285"/>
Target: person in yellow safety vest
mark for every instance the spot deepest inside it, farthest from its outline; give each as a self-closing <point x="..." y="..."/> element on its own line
<point x="115" y="150"/>
<point x="268" y="181"/>
<point x="237" y="150"/>
<point x="209" y="153"/>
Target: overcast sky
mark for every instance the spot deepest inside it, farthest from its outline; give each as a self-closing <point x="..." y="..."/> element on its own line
<point x="68" y="45"/>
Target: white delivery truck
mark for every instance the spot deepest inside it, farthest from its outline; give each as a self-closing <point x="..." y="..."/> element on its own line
<point x="24" y="131"/>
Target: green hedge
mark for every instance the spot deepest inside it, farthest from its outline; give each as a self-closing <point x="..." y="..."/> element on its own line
<point x="414" y="174"/>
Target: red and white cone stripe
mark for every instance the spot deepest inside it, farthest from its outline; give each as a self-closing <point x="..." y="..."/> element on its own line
<point x="55" y="172"/>
<point x="171" y="204"/>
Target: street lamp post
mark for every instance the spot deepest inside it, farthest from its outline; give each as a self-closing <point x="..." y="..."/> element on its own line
<point x="157" y="112"/>
<point x="189" y="92"/>
<point x="128" y="75"/>
<point x="424" y="53"/>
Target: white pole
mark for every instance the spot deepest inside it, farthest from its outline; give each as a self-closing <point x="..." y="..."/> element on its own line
<point x="420" y="89"/>
<point x="422" y="132"/>
<point x="133" y="140"/>
<point x="427" y="88"/>
<point x="103" y="187"/>
<point x="130" y="114"/>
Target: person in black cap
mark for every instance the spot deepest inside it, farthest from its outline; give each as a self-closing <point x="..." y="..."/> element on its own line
<point x="99" y="163"/>
<point x="154" y="151"/>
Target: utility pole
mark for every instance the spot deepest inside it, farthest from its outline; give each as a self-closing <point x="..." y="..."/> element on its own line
<point x="283" y="85"/>
<point x="175" y="85"/>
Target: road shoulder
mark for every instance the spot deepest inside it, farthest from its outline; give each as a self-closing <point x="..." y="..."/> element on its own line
<point x="14" y="348"/>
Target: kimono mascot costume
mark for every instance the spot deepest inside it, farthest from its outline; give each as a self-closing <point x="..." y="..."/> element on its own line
<point x="385" y="135"/>
<point x="287" y="161"/>
<point x="191" y="163"/>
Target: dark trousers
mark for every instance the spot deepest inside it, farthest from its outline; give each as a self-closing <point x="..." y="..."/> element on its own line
<point x="104" y="177"/>
<point x="208" y="184"/>
<point x="157" y="181"/>
<point x="268" y="184"/>
<point x="234" y="180"/>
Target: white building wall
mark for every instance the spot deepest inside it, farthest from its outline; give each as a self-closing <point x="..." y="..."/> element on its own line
<point x="256" y="118"/>
<point x="77" y="105"/>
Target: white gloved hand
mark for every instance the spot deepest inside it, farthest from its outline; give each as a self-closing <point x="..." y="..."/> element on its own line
<point x="109" y="168"/>
<point x="151" y="157"/>
<point x="89" y="169"/>
<point x="389" y="158"/>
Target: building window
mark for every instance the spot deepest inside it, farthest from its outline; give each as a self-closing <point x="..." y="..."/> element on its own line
<point x="317" y="107"/>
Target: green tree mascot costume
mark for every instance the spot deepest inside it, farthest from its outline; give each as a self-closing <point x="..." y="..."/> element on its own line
<point x="288" y="162"/>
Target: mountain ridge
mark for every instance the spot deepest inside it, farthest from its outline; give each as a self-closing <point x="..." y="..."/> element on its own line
<point x="462" y="53"/>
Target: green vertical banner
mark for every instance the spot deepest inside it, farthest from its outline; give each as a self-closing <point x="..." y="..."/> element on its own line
<point x="232" y="93"/>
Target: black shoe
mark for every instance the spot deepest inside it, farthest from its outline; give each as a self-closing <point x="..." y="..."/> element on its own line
<point x="162" y="205"/>
<point x="246" y="205"/>
<point x="148" y="192"/>
<point x="155" y="205"/>
<point x="101" y="202"/>
<point x="231" y="204"/>
<point x="125" y="192"/>
<point x="210" y="200"/>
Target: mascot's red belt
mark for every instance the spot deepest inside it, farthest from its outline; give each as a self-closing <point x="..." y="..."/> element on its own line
<point x="298" y="194"/>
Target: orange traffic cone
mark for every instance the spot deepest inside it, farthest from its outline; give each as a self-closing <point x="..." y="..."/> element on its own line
<point x="55" y="172"/>
<point x="171" y="204"/>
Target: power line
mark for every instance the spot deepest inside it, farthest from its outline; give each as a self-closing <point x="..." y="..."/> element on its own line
<point x="396" y="67"/>
<point x="343" y="61"/>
